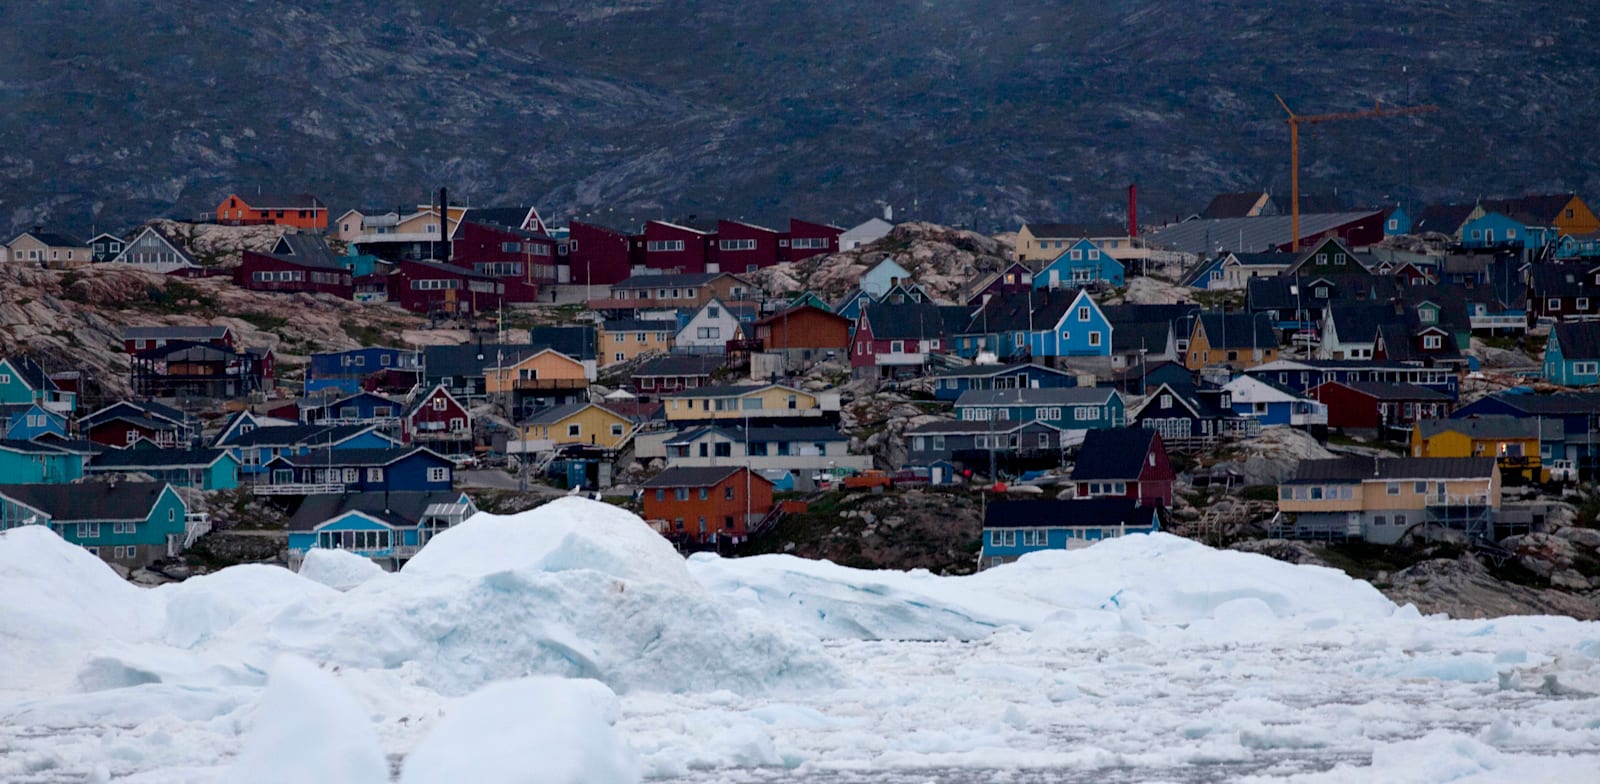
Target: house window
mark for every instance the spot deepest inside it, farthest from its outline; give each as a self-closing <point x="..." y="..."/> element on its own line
<point x="680" y="493"/>
<point x="1399" y="519"/>
<point x="704" y="493"/>
<point x="1166" y="401"/>
<point x="1427" y="315"/>
<point x="1083" y="313"/>
<point x="375" y="475"/>
<point x="1552" y="303"/>
<point x="1044" y="440"/>
<point x="439" y="474"/>
<point x="1321" y="292"/>
<point x="574" y="430"/>
<point x="88" y="530"/>
<point x="1380" y="520"/>
<point x="618" y="357"/>
<point x="1094" y="338"/>
<point x="131" y="437"/>
<point x="897" y="346"/>
<point x="1431" y="341"/>
<point x="1583" y="303"/>
<point x="727" y="493"/>
<point x="616" y="431"/>
<point x="1393" y="488"/>
<point x="352" y="475"/>
<point x="995" y="538"/>
<point x="722" y="449"/>
<point x="1420" y="488"/>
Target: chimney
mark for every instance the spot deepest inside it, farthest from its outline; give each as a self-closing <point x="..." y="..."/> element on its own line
<point x="1133" y="210"/>
<point x="444" y="223"/>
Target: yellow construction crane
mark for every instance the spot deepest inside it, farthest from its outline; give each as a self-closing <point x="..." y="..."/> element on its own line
<point x="1297" y="120"/>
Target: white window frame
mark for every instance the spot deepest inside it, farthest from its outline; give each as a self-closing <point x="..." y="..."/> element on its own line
<point x="438" y="474"/>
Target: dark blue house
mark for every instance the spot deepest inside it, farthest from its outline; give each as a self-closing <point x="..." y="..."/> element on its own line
<point x="346" y="370"/>
<point x="362" y="408"/>
<point x="254" y="449"/>
<point x="397" y="469"/>
<point x="1579" y="413"/>
<point x="1302" y="375"/>
<point x="949" y="384"/>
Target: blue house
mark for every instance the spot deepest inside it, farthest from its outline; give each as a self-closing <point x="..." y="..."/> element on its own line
<point x="24" y="381"/>
<point x="850" y="307"/>
<point x="1012" y="529"/>
<point x="1272" y="404"/>
<point x="206" y="469"/>
<point x="1302" y="375"/>
<point x="1189" y="416"/>
<point x="27" y="421"/>
<point x="1077" y="408"/>
<point x="1082" y="330"/>
<point x="1002" y="326"/>
<point x="886" y="275"/>
<point x="1496" y="230"/>
<point x="396" y="469"/>
<point x="1579" y="431"/>
<point x="949" y="384"/>
<point x="387" y="527"/>
<point x="246" y="421"/>
<point x="361" y="408"/>
<point x="345" y="370"/>
<point x="255" y="448"/>
<point x="39" y="462"/>
<point x="1081" y="264"/>
<point x="132" y="524"/>
<point x="1397" y="222"/>
<point x="1572" y="354"/>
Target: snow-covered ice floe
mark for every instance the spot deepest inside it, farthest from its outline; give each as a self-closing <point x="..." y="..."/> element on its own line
<point x="571" y="643"/>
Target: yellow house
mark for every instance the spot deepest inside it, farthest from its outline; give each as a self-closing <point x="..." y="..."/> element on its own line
<point x="579" y="423"/>
<point x="771" y="400"/>
<point x="547" y="370"/>
<point x="50" y="249"/>
<point x="1238" y="340"/>
<point x="1380" y="499"/>
<point x="622" y="340"/>
<point x="1513" y="442"/>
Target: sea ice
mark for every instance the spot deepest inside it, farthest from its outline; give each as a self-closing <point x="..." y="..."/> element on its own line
<point x="308" y="729"/>
<point x="340" y="570"/>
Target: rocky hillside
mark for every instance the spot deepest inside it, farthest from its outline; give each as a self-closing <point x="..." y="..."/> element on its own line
<point x="74" y="320"/>
<point x="962" y="111"/>
<point x="939" y="258"/>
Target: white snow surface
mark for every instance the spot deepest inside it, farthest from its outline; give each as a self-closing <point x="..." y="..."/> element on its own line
<point x="569" y="643"/>
<point x="340" y="570"/>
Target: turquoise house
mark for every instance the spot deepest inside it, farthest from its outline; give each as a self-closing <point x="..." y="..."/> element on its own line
<point x="1012" y="529"/>
<point x="388" y="528"/>
<point x="1081" y="330"/>
<point x="885" y="276"/>
<point x="28" y="421"/>
<point x="1397" y="223"/>
<point x="32" y="462"/>
<point x="132" y="524"/>
<point x="1081" y="264"/>
<point x="1572" y="354"/>
<point x="1068" y="408"/>
<point x="206" y="469"/>
<point x="23" y="381"/>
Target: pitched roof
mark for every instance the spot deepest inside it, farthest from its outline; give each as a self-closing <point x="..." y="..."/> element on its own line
<point x="706" y="476"/>
<point x="1239" y="330"/>
<point x="462" y="360"/>
<point x="680" y="280"/>
<point x="294" y="435"/>
<point x="554" y="414"/>
<point x="787" y="313"/>
<point x="89" y="501"/>
<point x="1486" y="427"/>
<point x="1114" y="453"/>
<point x="1140" y="335"/>
<point x="986" y="371"/>
<point x="576" y="341"/>
<point x="200" y="333"/>
<point x="1044" y="396"/>
<point x="54" y="239"/>
<point x="1383" y="391"/>
<point x="36" y="447"/>
<point x="1075" y="513"/>
<point x="915" y="320"/>
<point x="32" y="372"/>
<point x="1233" y="205"/>
<point x="681" y="365"/>
<point x="729" y="390"/>
<point x="1010" y="313"/>
<point x="977" y="427"/>
<point x="1076" y="231"/>
<point x="1442" y="218"/>
<point x="357" y="457"/>
<point x="1578" y="340"/>
<point x="1251" y="235"/>
<point x="639" y="325"/>
<point x="1359" y="469"/>
<point x="281" y="201"/>
<point x="1542" y="209"/>
<point x="397" y="508"/>
<point x="155" y="458"/>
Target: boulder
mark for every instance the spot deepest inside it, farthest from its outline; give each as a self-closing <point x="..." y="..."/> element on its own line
<point x="1583" y="537"/>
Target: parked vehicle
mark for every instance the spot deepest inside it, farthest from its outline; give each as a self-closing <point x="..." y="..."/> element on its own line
<point x="1561" y="471"/>
<point x="867" y="480"/>
<point x="912" y="477"/>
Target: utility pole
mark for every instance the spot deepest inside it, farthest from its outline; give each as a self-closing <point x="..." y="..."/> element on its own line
<point x="1297" y="120"/>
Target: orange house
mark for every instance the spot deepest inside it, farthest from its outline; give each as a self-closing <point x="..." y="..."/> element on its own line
<point x="300" y="210"/>
<point x="702" y="505"/>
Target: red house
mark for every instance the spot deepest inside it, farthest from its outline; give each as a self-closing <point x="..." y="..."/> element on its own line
<point x="309" y="275"/>
<point x="137" y="339"/>
<point x="668" y="246"/>
<point x="806" y="239"/>
<point x="127" y="422"/>
<point x="598" y="255"/>
<point x="746" y="247"/>
<point x="705" y="505"/>
<point x="1389" y="408"/>
<point x="509" y="254"/>
<point x="1124" y="462"/>
<point x="445" y="289"/>
<point x="894" y="340"/>
<point x="805" y="328"/>
<point x="438" y="421"/>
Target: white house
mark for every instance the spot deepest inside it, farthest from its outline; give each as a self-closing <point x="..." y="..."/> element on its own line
<point x="866" y="233"/>
<point x="708" y="331"/>
<point x="151" y="250"/>
<point x="1271" y="404"/>
<point x="883" y="277"/>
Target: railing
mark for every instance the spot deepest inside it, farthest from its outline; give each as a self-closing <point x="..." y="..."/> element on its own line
<point x="195" y="525"/>
<point x="1499" y="322"/>
<point x="1453" y="499"/>
<point x="306" y="488"/>
<point x="537" y="383"/>
<point x="378" y="421"/>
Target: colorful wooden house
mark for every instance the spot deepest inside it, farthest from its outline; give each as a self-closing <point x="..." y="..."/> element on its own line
<point x="590" y="424"/>
<point x="1124" y="462"/>
<point x="1236" y="340"/>
<point x="41" y="462"/>
<point x="1391" y="410"/>
<point x="371" y="368"/>
<point x="883" y="276"/>
<point x="709" y="329"/>
<point x="765" y="401"/>
<point x="300" y="210"/>
<point x="1080" y="265"/>
<point x="395" y="469"/>
<point x="1189" y="416"/>
<point x="541" y="379"/>
<point x="948" y="385"/>
<point x="1076" y="408"/>
<point x="437" y="420"/>
<point x="706" y="505"/>
<point x="131" y="524"/>
<point x="1513" y="442"/>
<point x="1271" y="404"/>
<point x="361" y="408"/>
<point x="675" y="373"/>
<point x="1380" y="499"/>
<point x="1397" y="222"/>
<point x="130" y="421"/>
<point x="255" y="448"/>
<point x="50" y="249"/>
<point x="624" y="340"/>
<point x="897" y="340"/>
<point x="1012" y="529"/>
<point x="388" y="527"/>
<point x="1081" y="330"/>
<point x="1563" y="292"/>
<point x="1009" y="446"/>
<point x="24" y="381"/>
<point x="28" y="421"/>
<point x="152" y="250"/>
<point x="1572" y="354"/>
<point x="804" y="334"/>
<point x="203" y="469"/>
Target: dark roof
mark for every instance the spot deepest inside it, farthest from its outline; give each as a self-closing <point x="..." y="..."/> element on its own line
<point x="1239" y="330"/>
<point x="915" y="320"/>
<point x="399" y="508"/>
<point x="681" y="365"/>
<point x="1273" y="292"/>
<point x="136" y="409"/>
<point x="1356" y="469"/>
<point x="1383" y="391"/>
<point x="1114" y="453"/>
<point x="154" y="458"/>
<point x="961" y="427"/>
<point x="1233" y="205"/>
<point x="640" y="325"/>
<point x="188" y="351"/>
<point x="1359" y="322"/>
<point x="786" y="313"/>
<point x="681" y="280"/>
<point x="1566" y="279"/>
<point x="1007" y="313"/>
<point x="985" y="371"/>
<point x="292" y="435"/>
<point x="694" y="477"/>
<point x="1136" y="335"/>
<point x="1538" y="210"/>
<point x="502" y="217"/>
<point x="1079" y="512"/>
<point x="578" y="342"/>
<point x="1442" y="218"/>
<point x="726" y="390"/>
<point x="1579" y="340"/>
<point x="1275" y="259"/>
<point x="31" y="372"/>
<point x="35" y="447"/>
<point x="54" y="239"/>
<point x="284" y="201"/>
<point x="355" y="457"/>
<point x="1077" y="230"/>
<point x="555" y="414"/>
<point x="764" y="433"/>
<point x="1559" y="404"/>
<point x="462" y="360"/>
<point x="201" y="333"/>
<point x="1042" y="396"/>
<point x="1488" y="427"/>
<point x="450" y="269"/>
<point x="89" y="501"/>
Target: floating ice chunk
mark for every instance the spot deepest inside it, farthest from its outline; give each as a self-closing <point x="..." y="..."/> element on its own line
<point x="308" y="729"/>
<point x="340" y="570"/>
<point x="544" y="730"/>
<point x="201" y="607"/>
